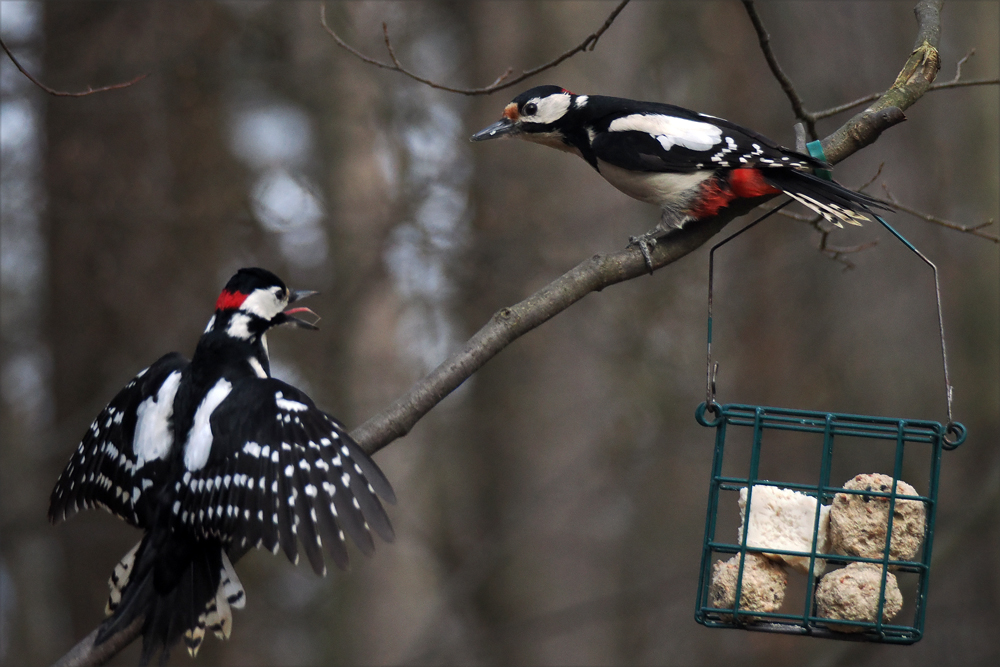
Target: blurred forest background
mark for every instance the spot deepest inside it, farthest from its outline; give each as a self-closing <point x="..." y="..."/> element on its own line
<point x="551" y="511"/>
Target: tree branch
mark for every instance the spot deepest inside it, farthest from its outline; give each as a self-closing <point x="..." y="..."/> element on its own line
<point x="786" y="84"/>
<point x="975" y="230"/>
<point x="954" y="83"/>
<point x="912" y="82"/>
<point x="501" y="81"/>
<point x="86" y="654"/>
<point x="60" y="93"/>
<point x="592" y="275"/>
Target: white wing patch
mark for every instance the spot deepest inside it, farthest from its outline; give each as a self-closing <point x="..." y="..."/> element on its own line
<point x="288" y="404"/>
<point x="152" y="439"/>
<point x="671" y="131"/>
<point x="199" y="441"/>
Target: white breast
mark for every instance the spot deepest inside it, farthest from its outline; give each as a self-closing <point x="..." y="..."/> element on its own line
<point x="671" y="191"/>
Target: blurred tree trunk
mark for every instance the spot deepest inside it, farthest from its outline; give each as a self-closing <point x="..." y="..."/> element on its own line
<point x="120" y="169"/>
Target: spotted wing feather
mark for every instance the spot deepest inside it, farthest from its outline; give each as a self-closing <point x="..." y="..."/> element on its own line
<point x="282" y="472"/>
<point x="647" y="136"/>
<point x="102" y="470"/>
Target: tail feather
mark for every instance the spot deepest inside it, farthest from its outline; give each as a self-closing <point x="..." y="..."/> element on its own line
<point x="829" y="199"/>
<point x="182" y="590"/>
<point x="119" y="578"/>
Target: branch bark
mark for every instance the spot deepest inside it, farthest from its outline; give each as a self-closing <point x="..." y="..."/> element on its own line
<point x="593" y="275"/>
<point x="913" y="81"/>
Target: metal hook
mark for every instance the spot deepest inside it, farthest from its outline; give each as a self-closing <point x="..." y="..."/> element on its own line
<point x="937" y="294"/>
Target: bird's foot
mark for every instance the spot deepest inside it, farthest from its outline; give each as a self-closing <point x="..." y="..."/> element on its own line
<point x="647" y="242"/>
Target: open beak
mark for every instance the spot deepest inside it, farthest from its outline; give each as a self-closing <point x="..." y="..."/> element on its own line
<point x="289" y="315"/>
<point x="502" y="128"/>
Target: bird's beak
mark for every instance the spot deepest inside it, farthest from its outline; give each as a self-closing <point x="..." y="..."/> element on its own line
<point x="502" y="128"/>
<point x="298" y="295"/>
<point x="289" y="315"/>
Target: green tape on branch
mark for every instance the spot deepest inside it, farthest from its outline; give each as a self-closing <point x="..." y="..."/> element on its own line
<point x="815" y="149"/>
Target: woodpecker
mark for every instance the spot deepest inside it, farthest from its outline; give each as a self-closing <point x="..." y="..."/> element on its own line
<point x="213" y="457"/>
<point x="692" y="165"/>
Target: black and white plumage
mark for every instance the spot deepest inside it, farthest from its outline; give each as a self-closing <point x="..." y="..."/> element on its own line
<point x="214" y="457"/>
<point x="694" y="166"/>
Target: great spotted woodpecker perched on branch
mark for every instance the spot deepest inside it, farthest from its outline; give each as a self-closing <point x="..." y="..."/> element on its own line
<point x="694" y="166"/>
<point x="212" y="457"/>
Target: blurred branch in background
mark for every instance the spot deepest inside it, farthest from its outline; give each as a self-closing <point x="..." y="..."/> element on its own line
<point x="954" y="83"/>
<point x="798" y="107"/>
<point x="810" y="117"/>
<point x="975" y="230"/>
<point x="501" y="81"/>
<point x="60" y="93"/>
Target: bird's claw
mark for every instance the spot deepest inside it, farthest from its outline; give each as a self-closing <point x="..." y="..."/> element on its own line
<point x="646" y="242"/>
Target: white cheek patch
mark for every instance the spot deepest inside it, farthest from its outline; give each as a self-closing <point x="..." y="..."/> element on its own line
<point x="199" y="441"/>
<point x="152" y="439"/>
<point x="671" y="131"/>
<point x="263" y="303"/>
<point x="550" y="109"/>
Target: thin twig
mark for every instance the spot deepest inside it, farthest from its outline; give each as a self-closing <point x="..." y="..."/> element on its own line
<point x="838" y="253"/>
<point x="975" y="230"/>
<point x="500" y="83"/>
<point x="878" y="172"/>
<point x="60" y="93"/>
<point x="954" y="83"/>
<point x="798" y="107"/>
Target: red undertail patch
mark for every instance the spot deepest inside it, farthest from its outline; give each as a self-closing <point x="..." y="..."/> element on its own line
<point x="230" y="300"/>
<point x="747" y="183"/>
<point x="714" y="196"/>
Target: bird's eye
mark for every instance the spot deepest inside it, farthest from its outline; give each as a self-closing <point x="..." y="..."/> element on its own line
<point x="530" y="108"/>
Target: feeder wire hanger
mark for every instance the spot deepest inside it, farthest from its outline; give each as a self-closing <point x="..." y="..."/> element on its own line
<point x="712" y="369"/>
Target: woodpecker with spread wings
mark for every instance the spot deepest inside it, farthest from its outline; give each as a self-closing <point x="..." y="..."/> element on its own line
<point x="213" y="457"/>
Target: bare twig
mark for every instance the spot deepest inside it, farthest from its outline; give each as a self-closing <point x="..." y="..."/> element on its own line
<point x="503" y="81"/>
<point x="786" y="84"/>
<point x="975" y="230"/>
<point x="60" y="93"/>
<point x="839" y="253"/>
<point x="954" y="83"/>
<point x="867" y="184"/>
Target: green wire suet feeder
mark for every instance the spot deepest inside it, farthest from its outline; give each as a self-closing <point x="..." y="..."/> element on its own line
<point x="834" y="553"/>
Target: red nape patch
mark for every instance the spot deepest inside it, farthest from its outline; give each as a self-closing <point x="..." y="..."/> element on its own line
<point x="713" y="197"/>
<point x="748" y="182"/>
<point x="230" y="300"/>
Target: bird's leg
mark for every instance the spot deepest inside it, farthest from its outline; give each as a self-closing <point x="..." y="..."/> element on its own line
<point x="645" y="242"/>
<point x="648" y="241"/>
